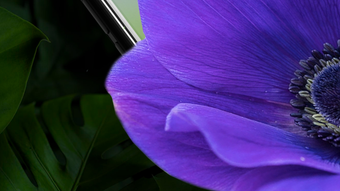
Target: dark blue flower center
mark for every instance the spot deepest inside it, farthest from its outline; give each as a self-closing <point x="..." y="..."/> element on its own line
<point x="317" y="94"/>
<point x="326" y="93"/>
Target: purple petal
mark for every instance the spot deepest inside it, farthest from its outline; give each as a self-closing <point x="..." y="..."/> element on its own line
<point x="138" y="72"/>
<point x="182" y="155"/>
<point x="144" y="92"/>
<point x="246" y="143"/>
<point x="245" y="47"/>
<point x="283" y="178"/>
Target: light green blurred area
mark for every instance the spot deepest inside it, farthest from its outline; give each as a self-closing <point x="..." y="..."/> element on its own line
<point x="130" y="10"/>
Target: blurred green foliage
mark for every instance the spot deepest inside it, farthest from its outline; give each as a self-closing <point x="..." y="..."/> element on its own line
<point x="19" y="40"/>
<point x="79" y="56"/>
<point x="65" y="135"/>
<point x="59" y="152"/>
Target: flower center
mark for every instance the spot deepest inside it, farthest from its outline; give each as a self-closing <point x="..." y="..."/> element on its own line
<point x="326" y="93"/>
<point x="317" y="92"/>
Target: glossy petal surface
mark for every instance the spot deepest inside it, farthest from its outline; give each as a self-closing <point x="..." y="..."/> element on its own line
<point x="246" y="143"/>
<point x="231" y="62"/>
<point x="140" y="74"/>
<point x="246" y="47"/>
<point x="283" y="178"/>
<point x="144" y="92"/>
<point x="142" y="107"/>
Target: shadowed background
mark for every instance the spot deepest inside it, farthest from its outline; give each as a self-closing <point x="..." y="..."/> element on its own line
<point x="76" y="62"/>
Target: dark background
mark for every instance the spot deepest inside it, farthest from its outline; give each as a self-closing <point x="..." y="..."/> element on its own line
<point x="79" y="56"/>
<point x="76" y="61"/>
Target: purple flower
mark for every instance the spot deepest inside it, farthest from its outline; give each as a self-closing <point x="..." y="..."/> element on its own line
<point x="208" y="95"/>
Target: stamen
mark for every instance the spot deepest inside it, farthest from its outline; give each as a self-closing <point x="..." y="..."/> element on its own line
<point x="328" y="47"/>
<point x="304" y="93"/>
<point x="317" y="92"/>
<point x="304" y="65"/>
<point x="317" y="55"/>
<point x="310" y="110"/>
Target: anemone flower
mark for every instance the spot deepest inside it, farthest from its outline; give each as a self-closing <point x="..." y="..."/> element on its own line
<point x="233" y="94"/>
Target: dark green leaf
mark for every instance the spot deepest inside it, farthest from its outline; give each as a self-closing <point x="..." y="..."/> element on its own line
<point x="80" y="53"/>
<point x="18" y="44"/>
<point x="148" y="184"/>
<point x="169" y="183"/>
<point x="114" y="159"/>
<point x="64" y="146"/>
<point x="118" y="169"/>
<point x="17" y="7"/>
<point x="79" y="56"/>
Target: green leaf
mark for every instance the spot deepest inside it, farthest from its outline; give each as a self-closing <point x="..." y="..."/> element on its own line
<point x="18" y="44"/>
<point x="63" y="147"/>
<point x="121" y="162"/>
<point x="77" y="59"/>
<point x="17" y="7"/>
<point x="79" y="56"/>
<point x="144" y="183"/>
<point x="169" y="183"/>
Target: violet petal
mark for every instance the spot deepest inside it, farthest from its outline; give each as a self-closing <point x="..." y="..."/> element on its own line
<point x="246" y="47"/>
<point x="138" y="72"/>
<point x="283" y="178"/>
<point x="144" y="92"/>
<point x="246" y="143"/>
